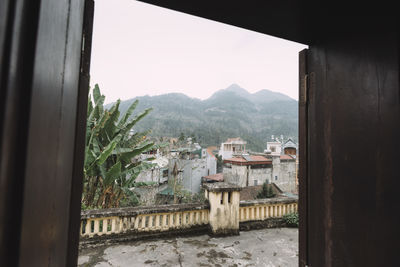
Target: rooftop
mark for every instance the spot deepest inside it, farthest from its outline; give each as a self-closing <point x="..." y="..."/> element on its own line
<point x="251" y="192"/>
<point x="249" y="159"/>
<point x="236" y="140"/>
<point x="210" y="150"/>
<point x="221" y="186"/>
<point x="266" y="247"/>
<point x="287" y="157"/>
<point x="215" y="177"/>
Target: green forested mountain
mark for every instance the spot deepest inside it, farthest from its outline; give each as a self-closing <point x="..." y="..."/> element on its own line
<point x="231" y="112"/>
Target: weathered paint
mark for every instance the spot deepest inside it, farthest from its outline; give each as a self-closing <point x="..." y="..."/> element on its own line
<point x="224" y="215"/>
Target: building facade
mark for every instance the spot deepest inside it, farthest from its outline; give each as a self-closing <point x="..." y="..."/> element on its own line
<point x="231" y="147"/>
<point x="251" y="170"/>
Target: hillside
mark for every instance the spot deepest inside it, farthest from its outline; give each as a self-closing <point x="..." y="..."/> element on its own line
<point x="229" y="112"/>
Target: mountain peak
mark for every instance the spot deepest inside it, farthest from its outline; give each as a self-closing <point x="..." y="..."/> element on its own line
<point x="233" y="88"/>
<point x="237" y="89"/>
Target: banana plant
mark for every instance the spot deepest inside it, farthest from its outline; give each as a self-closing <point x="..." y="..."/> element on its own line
<point x="111" y="155"/>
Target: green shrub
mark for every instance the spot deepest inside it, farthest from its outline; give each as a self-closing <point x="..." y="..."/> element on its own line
<point x="291" y="219"/>
<point x="266" y="192"/>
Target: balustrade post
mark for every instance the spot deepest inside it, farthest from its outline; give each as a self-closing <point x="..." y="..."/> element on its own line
<point x="224" y="214"/>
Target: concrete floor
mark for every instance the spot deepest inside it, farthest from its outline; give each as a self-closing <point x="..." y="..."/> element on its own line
<point x="266" y="247"/>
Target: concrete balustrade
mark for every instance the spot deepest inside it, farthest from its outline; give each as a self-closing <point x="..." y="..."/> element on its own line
<point x="263" y="209"/>
<point x="224" y="215"/>
<point x="156" y="218"/>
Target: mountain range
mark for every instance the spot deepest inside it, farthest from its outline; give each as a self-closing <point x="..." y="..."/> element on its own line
<point x="230" y="112"/>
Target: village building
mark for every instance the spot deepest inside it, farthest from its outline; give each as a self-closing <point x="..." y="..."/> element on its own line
<point x="252" y="170"/>
<point x="157" y="174"/>
<point x="211" y="160"/>
<point x="193" y="165"/>
<point x="214" y="178"/>
<point x="231" y="147"/>
<point x="274" y="147"/>
<point x="247" y="170"/>
<point x="278" y="146"/>
<point x="289" y="147"/>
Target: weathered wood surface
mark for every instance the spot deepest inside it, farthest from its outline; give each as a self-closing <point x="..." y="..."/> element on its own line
<point x="354" y="130"/>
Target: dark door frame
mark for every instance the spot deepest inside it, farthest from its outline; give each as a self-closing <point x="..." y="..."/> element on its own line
<point x="44" y="77"/>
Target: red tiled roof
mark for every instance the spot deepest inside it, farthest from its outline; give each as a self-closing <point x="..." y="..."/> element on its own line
<point x="237" y="160"/>
<point x="253" y="160"/>
<point x="215" y="177"/>
<point x="286" y="157"/>
<point x="258" y="158"/>
<point x="210" y="150"/>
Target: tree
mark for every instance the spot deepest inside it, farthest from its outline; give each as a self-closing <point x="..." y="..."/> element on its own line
<point x="220" y="163"/>
<point x="266" y="191"/>
<point x="111" y="162"/>
<point x="181" y="137"/>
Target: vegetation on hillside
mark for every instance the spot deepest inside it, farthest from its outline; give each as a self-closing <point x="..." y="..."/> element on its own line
<point x="232" y="112"/>
<point x="111" y="165"/>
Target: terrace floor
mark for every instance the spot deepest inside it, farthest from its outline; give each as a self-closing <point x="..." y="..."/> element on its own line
<point x="266" y="247"/>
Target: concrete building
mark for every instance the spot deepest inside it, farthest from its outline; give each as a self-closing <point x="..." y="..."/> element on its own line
<point x="193" y="164"/>
<point x="231" y="147"/>
<point x="278" y="146"/>
<point x="157" y="174"/>
<point x="247" y="170"/>
<point x="211" y="160"/>
<point x="274" y="147"/>
<point x="252" y="170"/>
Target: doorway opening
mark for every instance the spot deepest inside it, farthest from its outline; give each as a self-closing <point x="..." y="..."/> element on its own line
<point x="197" y="94"/>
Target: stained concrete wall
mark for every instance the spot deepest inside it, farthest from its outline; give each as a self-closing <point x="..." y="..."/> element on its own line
<point x="224" y="217"/>
<point x="211" y="163"/>
<point x="261" y="175"/>
<point x="238" y="175"/>
<point x="192" y="172"/>
<point x="235" y="175"/>
<point x="287" y="177"/>
<point x="282" y="173"/>
<point x="147" y="194"/>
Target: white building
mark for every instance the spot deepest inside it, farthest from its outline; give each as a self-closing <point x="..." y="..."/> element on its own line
<point x="231" y="147"/>
<point x="274" y="147"/>
<point x="277" y="146"/>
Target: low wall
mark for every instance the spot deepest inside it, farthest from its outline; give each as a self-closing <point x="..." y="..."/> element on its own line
<point x="256" y="210"/>
<point x="99" y="227"/>
<point x="265" y="213"/>
<point x="125" y="224"/>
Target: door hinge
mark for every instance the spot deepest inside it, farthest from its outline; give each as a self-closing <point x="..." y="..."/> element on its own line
<point x="304" y="89"/>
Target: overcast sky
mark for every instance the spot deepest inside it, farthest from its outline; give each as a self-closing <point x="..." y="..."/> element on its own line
<point x="139" y="49"/>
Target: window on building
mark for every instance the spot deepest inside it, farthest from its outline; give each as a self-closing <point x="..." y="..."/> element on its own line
<point x="222" y="198"/>
<point x="276" y="178"/>
<point x="165" y="173"/>
<point x="255" y="182"/>
<point x="272" y="149"/>
<point x="229" y="197"/>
